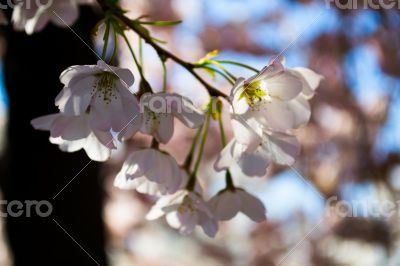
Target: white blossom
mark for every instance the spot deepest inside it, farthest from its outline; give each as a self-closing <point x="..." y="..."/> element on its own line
<point x="159" y="110"/>
<point x="152" y="172"/>
<point x="184" y="210"/>
<point x="276" y="97"/>
<point x="253" y="149"/>
<point x="73" y="133"/>
<point x="227" y="203"/>
<point x="104" y="91"/>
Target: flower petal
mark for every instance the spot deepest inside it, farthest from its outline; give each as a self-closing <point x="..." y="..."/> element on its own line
<point x="285" y="86"/>
<point x="251" y="206"/>
<point x="310" y="80"/>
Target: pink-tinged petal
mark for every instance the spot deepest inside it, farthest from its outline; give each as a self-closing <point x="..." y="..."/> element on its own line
<point x="165" y="128"/>
<point x="131" y="128"/>
<point x="95" y="150"/>
<point x="60" y="125"/>
<point x="188" y="221"/>
<point x="77" y="128"/>
<point x="99" y="118"/>
<point x="150" y="122"/>
<point x="105" y="138"/>
<point x="183" y="109"/>
<point x="285" y="86"/>
<point x="276" y="115"/>
<point x="209" y="225"/>
<point x="271" y="70"/>
<point x="301" y="110"/>
<point x="225" y="158"/>
<point x="143" y="161"/>
<point x="247" y="132"/>
<point x="81" y="96"/>
<point x="127" y="113"/>
<point x="226" y="206"/>
<point x="254" y="164"/>
<point x="283" y="147"/>
<point x="251" y="206"/>
<point x="74" y="74"/>
<point x="310" y="80"/>
<point x="44" y="122"/>
<point x="67" y="10"/>
<point x="124" y="74"/>
<point x="115" y="108"/>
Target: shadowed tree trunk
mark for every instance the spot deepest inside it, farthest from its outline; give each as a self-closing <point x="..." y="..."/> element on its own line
<point x="38" y="170"/>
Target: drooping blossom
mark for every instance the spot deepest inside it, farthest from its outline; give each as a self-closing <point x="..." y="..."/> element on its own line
<point x="104" y="90"/>
<point x="73" y="133"/>
<point x="151" y="172"/>
<point x="159" y="110"/>
<point x="185" y="210"/>
<point x="227" y="203"/>
<point x="33" y="16"/>
<point x="255" y="148"/>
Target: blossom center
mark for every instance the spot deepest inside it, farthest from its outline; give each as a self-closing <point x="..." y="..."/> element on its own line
<point x="106" y="87"/>
<point x="254" y="92"/>
<point x="186" y="205"/>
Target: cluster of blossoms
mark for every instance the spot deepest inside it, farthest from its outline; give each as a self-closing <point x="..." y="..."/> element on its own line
<point x="97" y="109"/>
<point x="96" y="104"/>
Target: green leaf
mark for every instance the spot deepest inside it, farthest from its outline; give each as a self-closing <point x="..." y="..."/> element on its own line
<point x="161" y="23"/>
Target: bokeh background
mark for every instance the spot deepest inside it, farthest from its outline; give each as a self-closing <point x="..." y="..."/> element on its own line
<point x="350" y="149"/>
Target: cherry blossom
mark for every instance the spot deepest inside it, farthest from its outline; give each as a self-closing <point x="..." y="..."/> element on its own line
<point x="73" y="133"/>
<point x="265" y="109"/>
<point x="227" y="203"/>
<point x="33" y="16"/>
<point x="104" y="90"/>
<point x="184" y="210"/>
<point x="276" y="97"/>
<point x="152" y="172"/>
<point x="159" y="110"/>
<point x="254" y="148"/>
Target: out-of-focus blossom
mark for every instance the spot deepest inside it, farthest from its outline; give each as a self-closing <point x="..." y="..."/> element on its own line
<point x="159" y="110"/>
<point x="184" y="210"/>
<point x="227" y="203"/>
<point x="33" y="16"/>
<point x="104" y="90"/>
<point x="73" y="133"/>
<point x="152" y="172"/>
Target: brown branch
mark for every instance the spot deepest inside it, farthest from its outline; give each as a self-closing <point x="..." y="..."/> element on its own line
<point x="162" y="52"/>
